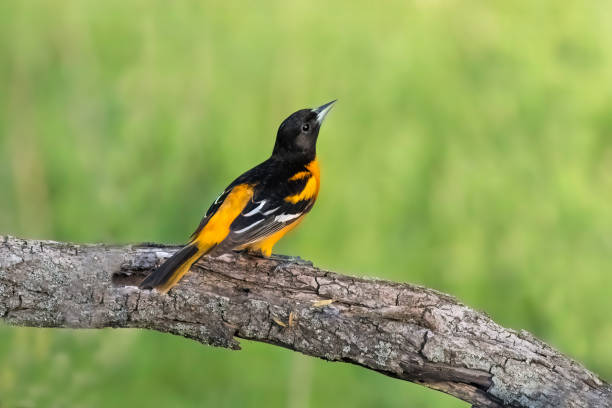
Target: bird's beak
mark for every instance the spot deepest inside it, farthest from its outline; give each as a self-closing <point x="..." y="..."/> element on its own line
<point x="323" y="110"/>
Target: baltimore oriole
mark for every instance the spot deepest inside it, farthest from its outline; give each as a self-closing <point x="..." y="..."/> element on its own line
<point x="259" y="207"/>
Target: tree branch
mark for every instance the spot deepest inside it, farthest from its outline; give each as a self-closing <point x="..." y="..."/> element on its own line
<point x="400" y="330"/>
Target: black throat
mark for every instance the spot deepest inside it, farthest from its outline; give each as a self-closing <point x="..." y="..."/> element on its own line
<point x="294" y="156"/>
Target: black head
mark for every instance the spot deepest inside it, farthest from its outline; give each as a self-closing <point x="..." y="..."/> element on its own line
<point x="297" y="135"/>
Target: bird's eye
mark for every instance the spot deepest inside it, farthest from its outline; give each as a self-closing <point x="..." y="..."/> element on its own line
<point x="305" y="127"/>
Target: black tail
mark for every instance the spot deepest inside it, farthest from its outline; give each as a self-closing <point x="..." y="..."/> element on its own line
<point x="169" y="273"/>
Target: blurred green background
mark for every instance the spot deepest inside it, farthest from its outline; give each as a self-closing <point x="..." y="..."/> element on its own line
<point x="470" y="151"/>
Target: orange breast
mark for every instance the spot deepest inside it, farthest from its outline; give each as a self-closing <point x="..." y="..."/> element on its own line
<point x="313" y="167"/>
<point x="311" y="190"/>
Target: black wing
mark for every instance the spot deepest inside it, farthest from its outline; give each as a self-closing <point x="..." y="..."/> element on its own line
<point x="268" y="211"/>
<point x="263" y="216"/>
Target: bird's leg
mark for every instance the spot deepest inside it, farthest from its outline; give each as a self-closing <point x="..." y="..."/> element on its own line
<point x="276" y="257"/>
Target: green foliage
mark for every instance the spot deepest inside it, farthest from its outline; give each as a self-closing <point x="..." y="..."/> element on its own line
<point x="470" y="151"/>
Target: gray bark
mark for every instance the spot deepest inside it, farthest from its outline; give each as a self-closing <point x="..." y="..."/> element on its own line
<point x="400" y="330"/>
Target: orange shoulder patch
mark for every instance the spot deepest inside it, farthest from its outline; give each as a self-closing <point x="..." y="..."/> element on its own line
<point x="218" y="227"/>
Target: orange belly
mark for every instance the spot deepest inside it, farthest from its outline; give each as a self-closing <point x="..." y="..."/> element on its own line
<point x="265" y="245"/>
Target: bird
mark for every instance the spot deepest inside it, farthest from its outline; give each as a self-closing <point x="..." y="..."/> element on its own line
<point x="260" y="206"/>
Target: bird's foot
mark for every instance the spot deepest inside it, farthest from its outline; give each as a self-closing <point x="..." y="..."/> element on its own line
<point x="277" y="257"/>
<point x="290" y="259"/>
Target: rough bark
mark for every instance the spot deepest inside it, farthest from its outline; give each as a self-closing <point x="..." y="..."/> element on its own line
<point x="400" y="330"/>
